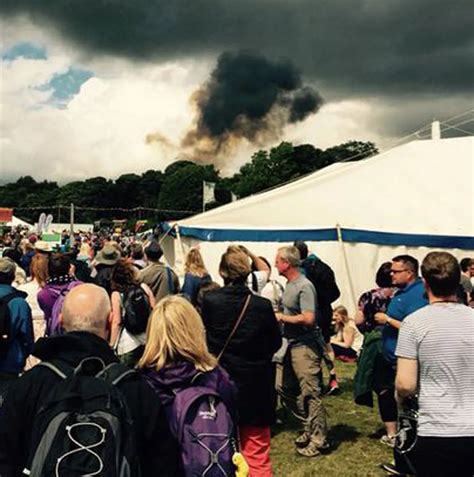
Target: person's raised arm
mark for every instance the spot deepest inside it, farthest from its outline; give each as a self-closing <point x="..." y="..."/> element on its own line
<point x="116" y="318"/>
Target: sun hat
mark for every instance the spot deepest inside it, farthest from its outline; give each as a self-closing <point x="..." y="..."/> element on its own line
<point x="109" y="255"/>
<point x="43" y="246"/>
<point x="7" y="265"/>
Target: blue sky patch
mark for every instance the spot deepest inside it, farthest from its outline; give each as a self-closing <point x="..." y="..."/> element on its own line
<point x="65" y="86"/>
<point x="26" y="50"/>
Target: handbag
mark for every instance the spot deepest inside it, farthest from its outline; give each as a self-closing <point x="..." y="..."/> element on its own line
<point x="234" y="329"/>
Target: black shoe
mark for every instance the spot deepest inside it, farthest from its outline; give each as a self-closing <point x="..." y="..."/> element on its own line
<point x="390" y="469"/>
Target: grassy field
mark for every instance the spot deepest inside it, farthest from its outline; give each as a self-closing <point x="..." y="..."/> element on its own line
<point x="353" y="433"/>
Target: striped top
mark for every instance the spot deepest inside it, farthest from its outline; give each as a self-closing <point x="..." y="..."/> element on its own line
<point x="441" y="337"/>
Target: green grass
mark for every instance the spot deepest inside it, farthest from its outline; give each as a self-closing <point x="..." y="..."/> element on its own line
<point x="353" y="434"/>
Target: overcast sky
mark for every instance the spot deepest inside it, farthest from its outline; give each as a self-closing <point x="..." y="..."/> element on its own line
<point x="85" y="84"/>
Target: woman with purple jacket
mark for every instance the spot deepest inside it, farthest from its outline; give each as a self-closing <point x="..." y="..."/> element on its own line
<point x="176" y="359"/>
<point x="60" y="281"/>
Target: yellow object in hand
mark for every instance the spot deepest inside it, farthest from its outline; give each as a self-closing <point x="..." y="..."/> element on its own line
<point x="242" y="467"/>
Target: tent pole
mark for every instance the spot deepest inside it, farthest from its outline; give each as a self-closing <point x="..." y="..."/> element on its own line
<point x="166" y="234"/>
<point x="181" y="248"/>
<point x="346" y="265"/>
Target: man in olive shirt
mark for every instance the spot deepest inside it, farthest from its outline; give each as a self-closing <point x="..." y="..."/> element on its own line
<point x="301" y="387"/>
<point x="161" y="279"/>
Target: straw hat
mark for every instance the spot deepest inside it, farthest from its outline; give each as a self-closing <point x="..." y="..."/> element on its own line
<point x="109" y="255"/>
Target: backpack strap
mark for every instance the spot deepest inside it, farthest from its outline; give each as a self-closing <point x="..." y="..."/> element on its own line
<point x="55" y="369"/>
<point x="170" y="280"/>
<point x="114" y="373"/>
<point x="254" y="282"/>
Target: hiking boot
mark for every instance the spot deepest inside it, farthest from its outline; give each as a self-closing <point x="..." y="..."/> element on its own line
<point x="390" y="469"/>
<point x="388" y="440"/>
<point x="302" y="440"/>
<point x="333" y="387"/>
<point x="311" y="450"/>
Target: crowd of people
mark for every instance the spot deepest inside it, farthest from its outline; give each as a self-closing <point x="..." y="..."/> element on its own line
<point x="109" y="365"/>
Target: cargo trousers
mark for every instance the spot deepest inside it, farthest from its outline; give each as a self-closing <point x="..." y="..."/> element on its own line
<point x="301" y="390"/>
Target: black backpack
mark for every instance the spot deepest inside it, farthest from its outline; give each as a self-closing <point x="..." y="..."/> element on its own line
<point x="6" y="321"/>
<point x="84" y="427"/>
<point x="322" y="277"/>
<point x="135" y="310"/>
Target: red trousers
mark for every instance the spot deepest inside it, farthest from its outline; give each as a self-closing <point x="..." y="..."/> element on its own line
<point x="255" y="443"/>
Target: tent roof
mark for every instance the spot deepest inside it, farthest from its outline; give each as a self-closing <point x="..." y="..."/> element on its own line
<point x="15" y="222"/>
<point x="420" y="188"/>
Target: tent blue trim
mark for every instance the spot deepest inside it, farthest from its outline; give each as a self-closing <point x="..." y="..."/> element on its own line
<point x="409" y="240"/>
<point x="324" y="235"/>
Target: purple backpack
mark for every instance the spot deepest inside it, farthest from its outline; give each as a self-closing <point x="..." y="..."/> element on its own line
<point x="54" y="326"/>
<point x="205" y="429"/>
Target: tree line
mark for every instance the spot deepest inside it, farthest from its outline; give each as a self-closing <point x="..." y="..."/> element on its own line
<point x="177" y="191"/>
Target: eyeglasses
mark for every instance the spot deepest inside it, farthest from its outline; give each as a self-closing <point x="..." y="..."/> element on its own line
<point x="399" y="271"/>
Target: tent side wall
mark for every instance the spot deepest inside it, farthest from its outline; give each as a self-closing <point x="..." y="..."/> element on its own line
<point x="354" y="264"/>
<point x="412" y="199"/>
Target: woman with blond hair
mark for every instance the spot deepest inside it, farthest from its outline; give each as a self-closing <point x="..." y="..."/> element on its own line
<point x="242" y="328"/>
<point x="196" y="275"/>
<point x="347" y="341"/>
<point x="176" y="357"/>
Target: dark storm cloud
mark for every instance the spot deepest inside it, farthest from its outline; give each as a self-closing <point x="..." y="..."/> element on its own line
<point x="350" y="47"/>
<point x="248" y="85"/>
<point x="246" y="97"/>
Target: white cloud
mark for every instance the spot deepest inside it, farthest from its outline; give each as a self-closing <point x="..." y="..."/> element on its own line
<point x="102" y="131"/>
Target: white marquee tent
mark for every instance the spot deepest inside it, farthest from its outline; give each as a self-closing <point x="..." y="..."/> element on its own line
<point x="16" y="222"/>
<point x="411" y="199"/>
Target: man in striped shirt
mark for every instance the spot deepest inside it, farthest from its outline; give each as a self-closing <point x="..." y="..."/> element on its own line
<point x="436" y="360"/>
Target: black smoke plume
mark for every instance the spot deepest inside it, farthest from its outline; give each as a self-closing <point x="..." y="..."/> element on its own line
<point x="251" y="97"/>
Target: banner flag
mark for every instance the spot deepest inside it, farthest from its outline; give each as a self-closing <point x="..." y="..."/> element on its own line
<point x="208" y="192"/>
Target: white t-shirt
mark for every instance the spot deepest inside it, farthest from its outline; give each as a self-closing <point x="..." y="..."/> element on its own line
<point x="441" y="338"/>
<point x="273" y="291"/>
<point x="260" y="277"/>
<point x="32" y="288"/>
<point x="128" y="342"/>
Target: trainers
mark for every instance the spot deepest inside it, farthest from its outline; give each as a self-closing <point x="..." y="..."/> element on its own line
<point x="390" y="469"/>
<point x="311" y="450"/>
<point x="302" y="440"/>
<point x="333" y="387"/>
<point x="388" y="440"/>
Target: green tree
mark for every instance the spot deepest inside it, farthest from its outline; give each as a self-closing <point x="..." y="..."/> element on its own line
<point x="150" y="186"/>
<point x="182" y="187"/>
<point x="126" y="191"/>
<point x="350" y="151"/>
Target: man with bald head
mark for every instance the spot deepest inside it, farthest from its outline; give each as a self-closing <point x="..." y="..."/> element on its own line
<point x="86" y="319"/>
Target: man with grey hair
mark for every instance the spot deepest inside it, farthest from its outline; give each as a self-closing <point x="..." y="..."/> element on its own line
<point x="301" y="387"/>
<point x="86" y="319"/>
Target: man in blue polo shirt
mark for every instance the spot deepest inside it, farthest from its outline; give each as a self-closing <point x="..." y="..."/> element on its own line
<point x="409" y="297"/>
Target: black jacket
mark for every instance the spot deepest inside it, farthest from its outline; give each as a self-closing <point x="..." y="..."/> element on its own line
<point x="158" y="451"/>
<point x="248" y="357"/>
